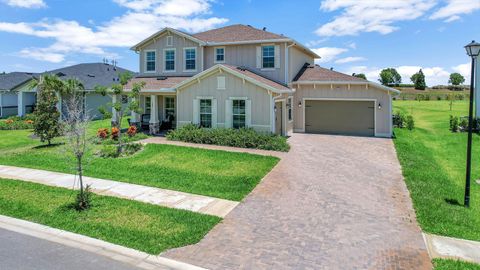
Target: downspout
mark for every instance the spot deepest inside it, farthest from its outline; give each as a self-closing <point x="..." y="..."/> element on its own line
<point x="287" y="62"/>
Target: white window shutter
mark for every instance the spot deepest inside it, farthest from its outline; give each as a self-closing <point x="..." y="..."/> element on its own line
<point x="248" y="113"/>
<point x="259" y="57"/>
<point x="196" y="111"/>
<point x="228" y="113"/>
<point x="214" y="113"/>
<point x="277" y="56"/>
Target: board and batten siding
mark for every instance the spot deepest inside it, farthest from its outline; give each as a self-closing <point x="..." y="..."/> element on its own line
<point x="179" y="43"/>
<point x="246" y="55"/>
<point x="297" y="59"/>
<point x="383" y="115"/>
<point x="234" y="88"/>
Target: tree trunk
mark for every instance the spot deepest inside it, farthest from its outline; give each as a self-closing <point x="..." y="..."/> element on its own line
<point x="80" y="173"/>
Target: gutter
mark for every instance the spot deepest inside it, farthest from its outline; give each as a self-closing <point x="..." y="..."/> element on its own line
<point x="369" y="83"/>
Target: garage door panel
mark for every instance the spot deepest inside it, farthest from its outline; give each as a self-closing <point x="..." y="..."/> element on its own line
<point x="340" y="117"/>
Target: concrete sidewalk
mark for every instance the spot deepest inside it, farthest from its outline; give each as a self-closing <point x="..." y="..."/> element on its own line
<point x="452" y="248"/>
<point x="152" y="195"/>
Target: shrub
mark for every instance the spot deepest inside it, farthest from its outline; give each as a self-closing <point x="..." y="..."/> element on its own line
<point x="454" y="125"/>
<point x="463" y="125"/>
<point x="102" y="133"/>
<point x="410" y="123"/>
<point x="132" y="148"/>
<point x="132" y="131"/>
<point x="439" y="97"/>
<point x="83" y="200"/>
<point x="12" y="124"/>
<point x="427" y="97"/>
<point x="399" y="120"/>
<point x="108" y="151"/>
<point x="111" y="151"/>
<point x="243" y="138"/>
<point x="104" y="112"/>
<point x="115" y="133"/>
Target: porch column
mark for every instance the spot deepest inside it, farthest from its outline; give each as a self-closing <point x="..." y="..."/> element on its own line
<point x="114" y="112"/>
<point x="135" y="117"/>
<point x="21" y="106"/>
<point x="154" y="122"/>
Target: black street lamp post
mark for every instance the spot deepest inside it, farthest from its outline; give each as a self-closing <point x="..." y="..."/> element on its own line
<point x="473" y="49"/>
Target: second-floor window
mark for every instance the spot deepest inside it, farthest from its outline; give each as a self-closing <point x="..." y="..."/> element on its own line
<point x="169" y="60"/>
<point x="219" y="55"/>
<point x="190" y="59"/>
<point x="150" y="58"/>
<point x="268" y="56"/>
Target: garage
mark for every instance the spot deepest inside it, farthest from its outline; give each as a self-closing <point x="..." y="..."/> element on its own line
<point x="345" y="117"/>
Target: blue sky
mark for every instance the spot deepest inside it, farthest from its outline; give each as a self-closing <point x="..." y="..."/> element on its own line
<point x="350" y="35"/>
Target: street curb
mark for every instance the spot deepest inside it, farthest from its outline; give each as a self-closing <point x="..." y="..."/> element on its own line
<point x="112" y="251"/>
<point x="452" y="248"/>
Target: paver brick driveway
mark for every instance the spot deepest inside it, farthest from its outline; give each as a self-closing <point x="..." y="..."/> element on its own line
<point x="334" y="202"/>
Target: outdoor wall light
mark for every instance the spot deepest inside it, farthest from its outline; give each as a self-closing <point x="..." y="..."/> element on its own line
<point x="300" y="104"/>
<point x="379" y="106"/>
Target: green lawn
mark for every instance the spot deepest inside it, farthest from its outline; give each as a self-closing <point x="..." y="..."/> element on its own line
<point x="213" y="173"/>
<point x="441" y="264"/>
<point x="140" y="226"/>
<point x="433" y="163"/>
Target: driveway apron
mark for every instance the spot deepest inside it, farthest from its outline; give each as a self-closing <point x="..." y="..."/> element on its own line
<point x="334" y="202"/>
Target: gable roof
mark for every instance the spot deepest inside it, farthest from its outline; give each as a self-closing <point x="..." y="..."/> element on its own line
<point x="237" y="33"/>
<point x="161" y="32"/>
<point x="91" y="74"/>
<point x="242" y="73"/>
<point x="314" y="74"/>
<point x="10" y="81"/>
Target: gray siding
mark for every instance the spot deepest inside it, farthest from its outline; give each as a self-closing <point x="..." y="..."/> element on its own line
<point x="297" y="59"/>
<point x="383" y="115"/>
<point x="179" y="43"/>
<point x="93" y="101"/>
<point x="9" y="99"/>
<point x="246" y="55"/>
<point x="235" y="87"/>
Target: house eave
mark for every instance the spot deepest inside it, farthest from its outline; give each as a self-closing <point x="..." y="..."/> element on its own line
<point x="383" y="87"/>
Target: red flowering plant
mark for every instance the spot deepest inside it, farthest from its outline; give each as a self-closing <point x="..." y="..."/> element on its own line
<point x="132" y="131"/>
<point x="9" y="121"/>
<point x="115" y="133"/>
<point x="102" y="133"/>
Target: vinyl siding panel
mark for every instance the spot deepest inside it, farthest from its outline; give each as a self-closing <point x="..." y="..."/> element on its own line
<point x="260" y="100"/>
<point x="383" y="115"/>
<point x="94" y="101"/>
<point x="297" y="58"/>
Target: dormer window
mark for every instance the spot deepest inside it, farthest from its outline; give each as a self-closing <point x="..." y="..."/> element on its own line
<point x="268" y="56"/>
<point x="150" y="61"/>
<point x="169" y="40"/>
<point x="219" y="54"/>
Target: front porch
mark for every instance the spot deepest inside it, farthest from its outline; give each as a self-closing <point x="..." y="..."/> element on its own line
<point x="158" y="113"/>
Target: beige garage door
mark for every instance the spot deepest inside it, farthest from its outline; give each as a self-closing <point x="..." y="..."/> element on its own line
<point x="340" y="117"/>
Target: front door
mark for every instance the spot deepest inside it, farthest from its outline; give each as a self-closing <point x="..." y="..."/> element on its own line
<point x="278" y="118"/>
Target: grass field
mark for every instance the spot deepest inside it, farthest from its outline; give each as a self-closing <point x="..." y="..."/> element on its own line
<point x="433" y="163"/>
<point x="213" y="173"/>
<point x="441" y="264"/>
<point x="140" y="226"/>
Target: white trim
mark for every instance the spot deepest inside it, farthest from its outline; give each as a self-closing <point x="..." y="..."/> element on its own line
<point x="367" y="83"/>
<point x="137" y="47"/>
<point x="247" y="114"/>
<point x="215" y="54"/>
<point x="238" y="98"/>
<point x="161" y="90"/>
<point x="214" y="112"/>
<point x="231" y="71"/>
<point x="165" y="106"/>
<point x="272" y="112"/>
<point x="390" y="105"/>
<point x="174" y="60"/>
<point x="185" y="59"/>
<point x="145" y="61"/>
<point x="346" y="99"/>
<point x="169" y="38"/>
<point x="274" y="58"/>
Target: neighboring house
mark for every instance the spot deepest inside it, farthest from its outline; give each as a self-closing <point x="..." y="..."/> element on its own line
<point x="15" y="95"/>
<point x="240" y="76"/>
<point x="17" y="99"/>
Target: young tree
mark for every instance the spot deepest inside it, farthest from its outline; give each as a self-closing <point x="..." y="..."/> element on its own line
<point x="117" y="90"/>
<point x="456" y="79"/>
<point x="76" y="121"/>
<point x="47" y="117"/>
<point x="360" y="75"/>
<point x="390" y="76"/>
<point x="418" y="80"/>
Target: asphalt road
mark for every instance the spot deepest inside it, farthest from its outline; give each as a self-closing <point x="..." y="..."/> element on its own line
<point x="22" y="252"/>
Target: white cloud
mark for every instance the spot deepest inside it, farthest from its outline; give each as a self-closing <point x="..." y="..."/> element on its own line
<point x="370" y="15"/>
<point x="433" y="75"/>
<point x="328" y="54"/>
<point x="350" y="59"/>
<point x="141" y="20"/>
<point x="25" y="3"/>
<point x="454" y="8"/>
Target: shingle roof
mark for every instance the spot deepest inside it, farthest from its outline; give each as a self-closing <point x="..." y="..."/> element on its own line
<point x="236" y="33"/>
<point x="157" y="83"/>
<point x="11" y="80"/>
<point x="91" y="74"/>
<point x="317" y="73"/>
<point x="257" y="77"/>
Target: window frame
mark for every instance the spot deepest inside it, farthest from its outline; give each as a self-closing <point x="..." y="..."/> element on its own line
<point x="202" y="113"/>
<point x="272" y="56"/>
<point x="174" y="50"/>
<point x="215" y="54"/>
<point x="146" y="61"/>
<point x="148" y="109"/>
<point x="166" y="109"/>
<point x="244" y="114"/>
<point x="185" y="59"/>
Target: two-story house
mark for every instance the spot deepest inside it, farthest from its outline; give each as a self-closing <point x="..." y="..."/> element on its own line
<point x="239" y="76"/>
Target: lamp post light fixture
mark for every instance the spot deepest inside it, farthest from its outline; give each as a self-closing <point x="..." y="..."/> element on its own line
<point x="473" y="49"/>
